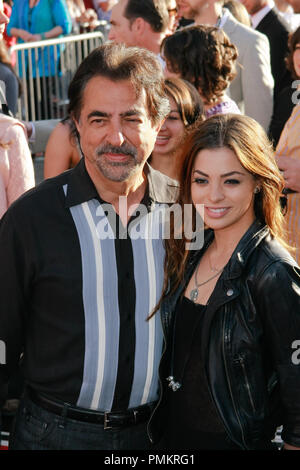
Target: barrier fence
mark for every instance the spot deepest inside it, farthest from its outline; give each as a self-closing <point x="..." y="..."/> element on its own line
<point x="45" y="69"/>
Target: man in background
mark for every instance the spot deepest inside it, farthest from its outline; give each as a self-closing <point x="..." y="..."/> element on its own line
<point x="141" y="23"/>
<point x="267" y="21"/>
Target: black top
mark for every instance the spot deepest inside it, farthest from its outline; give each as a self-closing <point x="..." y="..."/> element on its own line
<point x="193" y="421"/>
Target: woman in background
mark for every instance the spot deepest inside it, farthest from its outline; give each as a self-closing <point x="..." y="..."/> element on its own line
<point x="62" y="150"/>
<point x="229" y="376"/>
<point x="37" y="20"/>
<point x="16" y="167"/>
<point x="186" y="108"/>
<point x="204" y="56"/>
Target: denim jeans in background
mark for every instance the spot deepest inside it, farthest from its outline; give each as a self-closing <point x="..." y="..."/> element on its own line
<point x="38" y="429"/>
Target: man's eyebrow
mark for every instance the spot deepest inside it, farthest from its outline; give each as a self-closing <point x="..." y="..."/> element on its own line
<point x="130" y="112"/>
<point x="98" y="114"/>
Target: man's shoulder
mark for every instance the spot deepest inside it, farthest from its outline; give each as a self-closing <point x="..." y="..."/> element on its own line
<point x="162" y="188"/>
<point x="242" y="34"/>
<point x="273" y="23"/>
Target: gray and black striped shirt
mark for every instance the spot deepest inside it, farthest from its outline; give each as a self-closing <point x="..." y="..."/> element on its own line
<point x="77" y="290"/>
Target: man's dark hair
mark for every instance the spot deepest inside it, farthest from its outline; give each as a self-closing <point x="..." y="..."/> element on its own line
<point x="118" y="62"/>
<point x="155" y="12"/>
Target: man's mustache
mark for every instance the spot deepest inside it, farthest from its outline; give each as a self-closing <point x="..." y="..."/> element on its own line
<point x="124" y="149"/>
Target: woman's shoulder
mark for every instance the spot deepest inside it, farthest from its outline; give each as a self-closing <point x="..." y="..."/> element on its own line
<point x="62" y="129"/>
<point x="273" y="258"/>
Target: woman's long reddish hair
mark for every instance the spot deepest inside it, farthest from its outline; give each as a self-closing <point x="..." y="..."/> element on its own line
<point x="247" y="139"/>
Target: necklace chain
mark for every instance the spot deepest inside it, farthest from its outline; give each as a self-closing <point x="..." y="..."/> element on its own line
<point x="194" y="292"/>
<point x="211" y="267"/>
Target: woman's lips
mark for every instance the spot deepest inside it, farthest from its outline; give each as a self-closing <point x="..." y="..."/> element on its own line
<point x="216" y="212"/>
<point x="162" y="140"/>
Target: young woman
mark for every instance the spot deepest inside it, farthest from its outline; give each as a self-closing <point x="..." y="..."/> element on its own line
<point x="230" y="371"/>
<point x="186" y="108"/>
<point x="204" y="56"/>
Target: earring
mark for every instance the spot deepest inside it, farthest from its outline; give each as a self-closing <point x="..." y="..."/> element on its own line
<point x="256" y="190"/>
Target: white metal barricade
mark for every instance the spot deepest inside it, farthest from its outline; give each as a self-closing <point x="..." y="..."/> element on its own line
<point x="45" y="69"/>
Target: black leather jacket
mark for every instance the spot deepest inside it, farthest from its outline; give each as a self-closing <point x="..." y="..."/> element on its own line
<point x="250" y="331"/>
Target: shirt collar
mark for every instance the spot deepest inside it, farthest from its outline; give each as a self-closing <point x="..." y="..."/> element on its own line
<point x="222" y="20"/>
<point x="81" y="188"/>
<point x="257" y="17"/>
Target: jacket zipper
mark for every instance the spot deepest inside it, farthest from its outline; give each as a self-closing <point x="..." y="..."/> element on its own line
<point x="242" y="363"/>
<point x="228" y="380"/>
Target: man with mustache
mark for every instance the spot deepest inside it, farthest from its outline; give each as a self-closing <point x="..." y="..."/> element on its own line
<point x="77" y="286"/>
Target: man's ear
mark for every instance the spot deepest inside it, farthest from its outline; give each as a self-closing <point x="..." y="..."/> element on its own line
<point x="76" y="124"/>
<point x="138" y="26"/>
<point x="77" y="127"/>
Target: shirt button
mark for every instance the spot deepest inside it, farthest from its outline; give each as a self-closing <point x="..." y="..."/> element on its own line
<point x="229" y="292"/>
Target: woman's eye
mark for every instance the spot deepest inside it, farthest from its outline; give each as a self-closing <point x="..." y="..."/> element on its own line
<point x="200" y="180"/>
<point x="232" y="181"/>
<point x="134" y="120"/>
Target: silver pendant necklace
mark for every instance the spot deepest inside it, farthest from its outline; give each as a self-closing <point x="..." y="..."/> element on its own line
<point x="194" y="292"/>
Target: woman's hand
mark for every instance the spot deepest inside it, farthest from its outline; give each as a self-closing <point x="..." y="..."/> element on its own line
<point x="24" y="35"/>
<point x="35" y="37"/>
